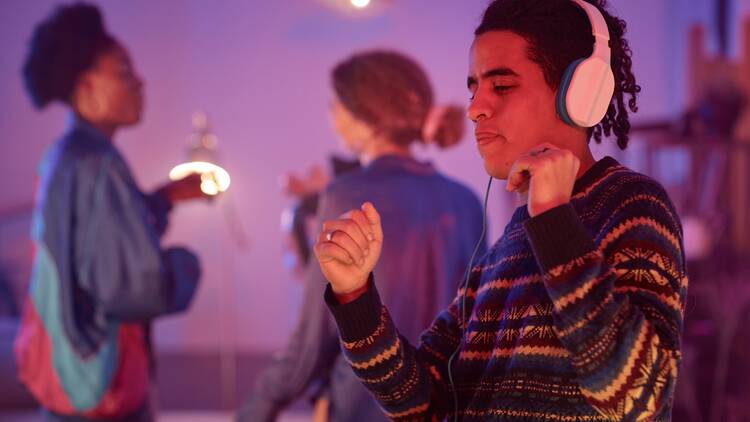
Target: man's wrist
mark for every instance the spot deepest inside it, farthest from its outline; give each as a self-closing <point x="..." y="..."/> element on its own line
<point x="347" y="297"/>
<point x="557" y="236"/>
<point x="542" y="208"/>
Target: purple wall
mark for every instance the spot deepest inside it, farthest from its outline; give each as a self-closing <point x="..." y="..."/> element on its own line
<point x="260" y="69"/>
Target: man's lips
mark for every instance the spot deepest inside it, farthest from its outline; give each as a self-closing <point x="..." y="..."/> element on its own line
<point x="484" y="138"/>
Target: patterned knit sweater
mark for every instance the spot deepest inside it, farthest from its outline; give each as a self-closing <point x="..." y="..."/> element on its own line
<point x="573" y="315"/>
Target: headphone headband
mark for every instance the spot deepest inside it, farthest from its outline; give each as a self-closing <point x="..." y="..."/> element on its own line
<point x="598" y="28"/>
<point x="588" y="83"/>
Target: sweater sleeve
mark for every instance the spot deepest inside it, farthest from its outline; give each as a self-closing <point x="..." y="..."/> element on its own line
<point x="409" y="383"/>
<point x="159" y="207"/>
<point x="619" y="297"/>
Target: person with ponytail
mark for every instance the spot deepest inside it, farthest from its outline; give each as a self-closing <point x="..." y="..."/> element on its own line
<point x="383" y="104"/>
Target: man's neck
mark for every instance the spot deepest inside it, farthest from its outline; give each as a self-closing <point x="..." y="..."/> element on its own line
<point x="587" y="161"/>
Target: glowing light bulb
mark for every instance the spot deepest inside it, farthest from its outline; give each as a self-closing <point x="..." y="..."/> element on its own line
<point x="202" y="159"/>
<point x="214" y="179"/>
<point x="360" y="4"/>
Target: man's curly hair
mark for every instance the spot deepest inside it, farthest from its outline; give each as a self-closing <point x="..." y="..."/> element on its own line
<point x="558" y="33"/>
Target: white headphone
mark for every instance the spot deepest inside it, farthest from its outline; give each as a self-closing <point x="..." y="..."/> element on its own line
<point x="588" y="84"/>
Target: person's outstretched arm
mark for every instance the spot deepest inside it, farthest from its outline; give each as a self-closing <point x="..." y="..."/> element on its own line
<point x="409" y="383"/>
<point x="118" y="259"/>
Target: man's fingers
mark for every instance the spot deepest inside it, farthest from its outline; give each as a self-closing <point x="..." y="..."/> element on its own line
<point x="374" y="218"/>
<point x="519" y="174"/>
<point x="545" y="145"/>
<point x="360" y="218"/>
<point x="522" y="169"/>
<point x="349" y="227"/>
<point x="329" y="251"/>
<point x="342" y="238"/>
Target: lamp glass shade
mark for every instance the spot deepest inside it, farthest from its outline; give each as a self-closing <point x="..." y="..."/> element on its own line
<point x="214" y="179"/>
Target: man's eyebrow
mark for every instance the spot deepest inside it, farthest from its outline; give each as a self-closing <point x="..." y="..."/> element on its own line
<point x="499" y="71"/>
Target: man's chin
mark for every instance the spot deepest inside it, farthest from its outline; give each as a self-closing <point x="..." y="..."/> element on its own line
<point x="496" y="171"/>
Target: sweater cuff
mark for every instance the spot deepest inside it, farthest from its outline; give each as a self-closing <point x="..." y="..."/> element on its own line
<point x="359" y="318"/>
<point x="558" y="236"/>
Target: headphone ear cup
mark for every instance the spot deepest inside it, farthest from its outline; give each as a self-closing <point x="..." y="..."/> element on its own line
<point x="562" y="92"/>
<point x="589" y="92"/>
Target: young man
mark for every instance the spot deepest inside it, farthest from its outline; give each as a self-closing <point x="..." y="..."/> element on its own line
<point x="576" y="312"/>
